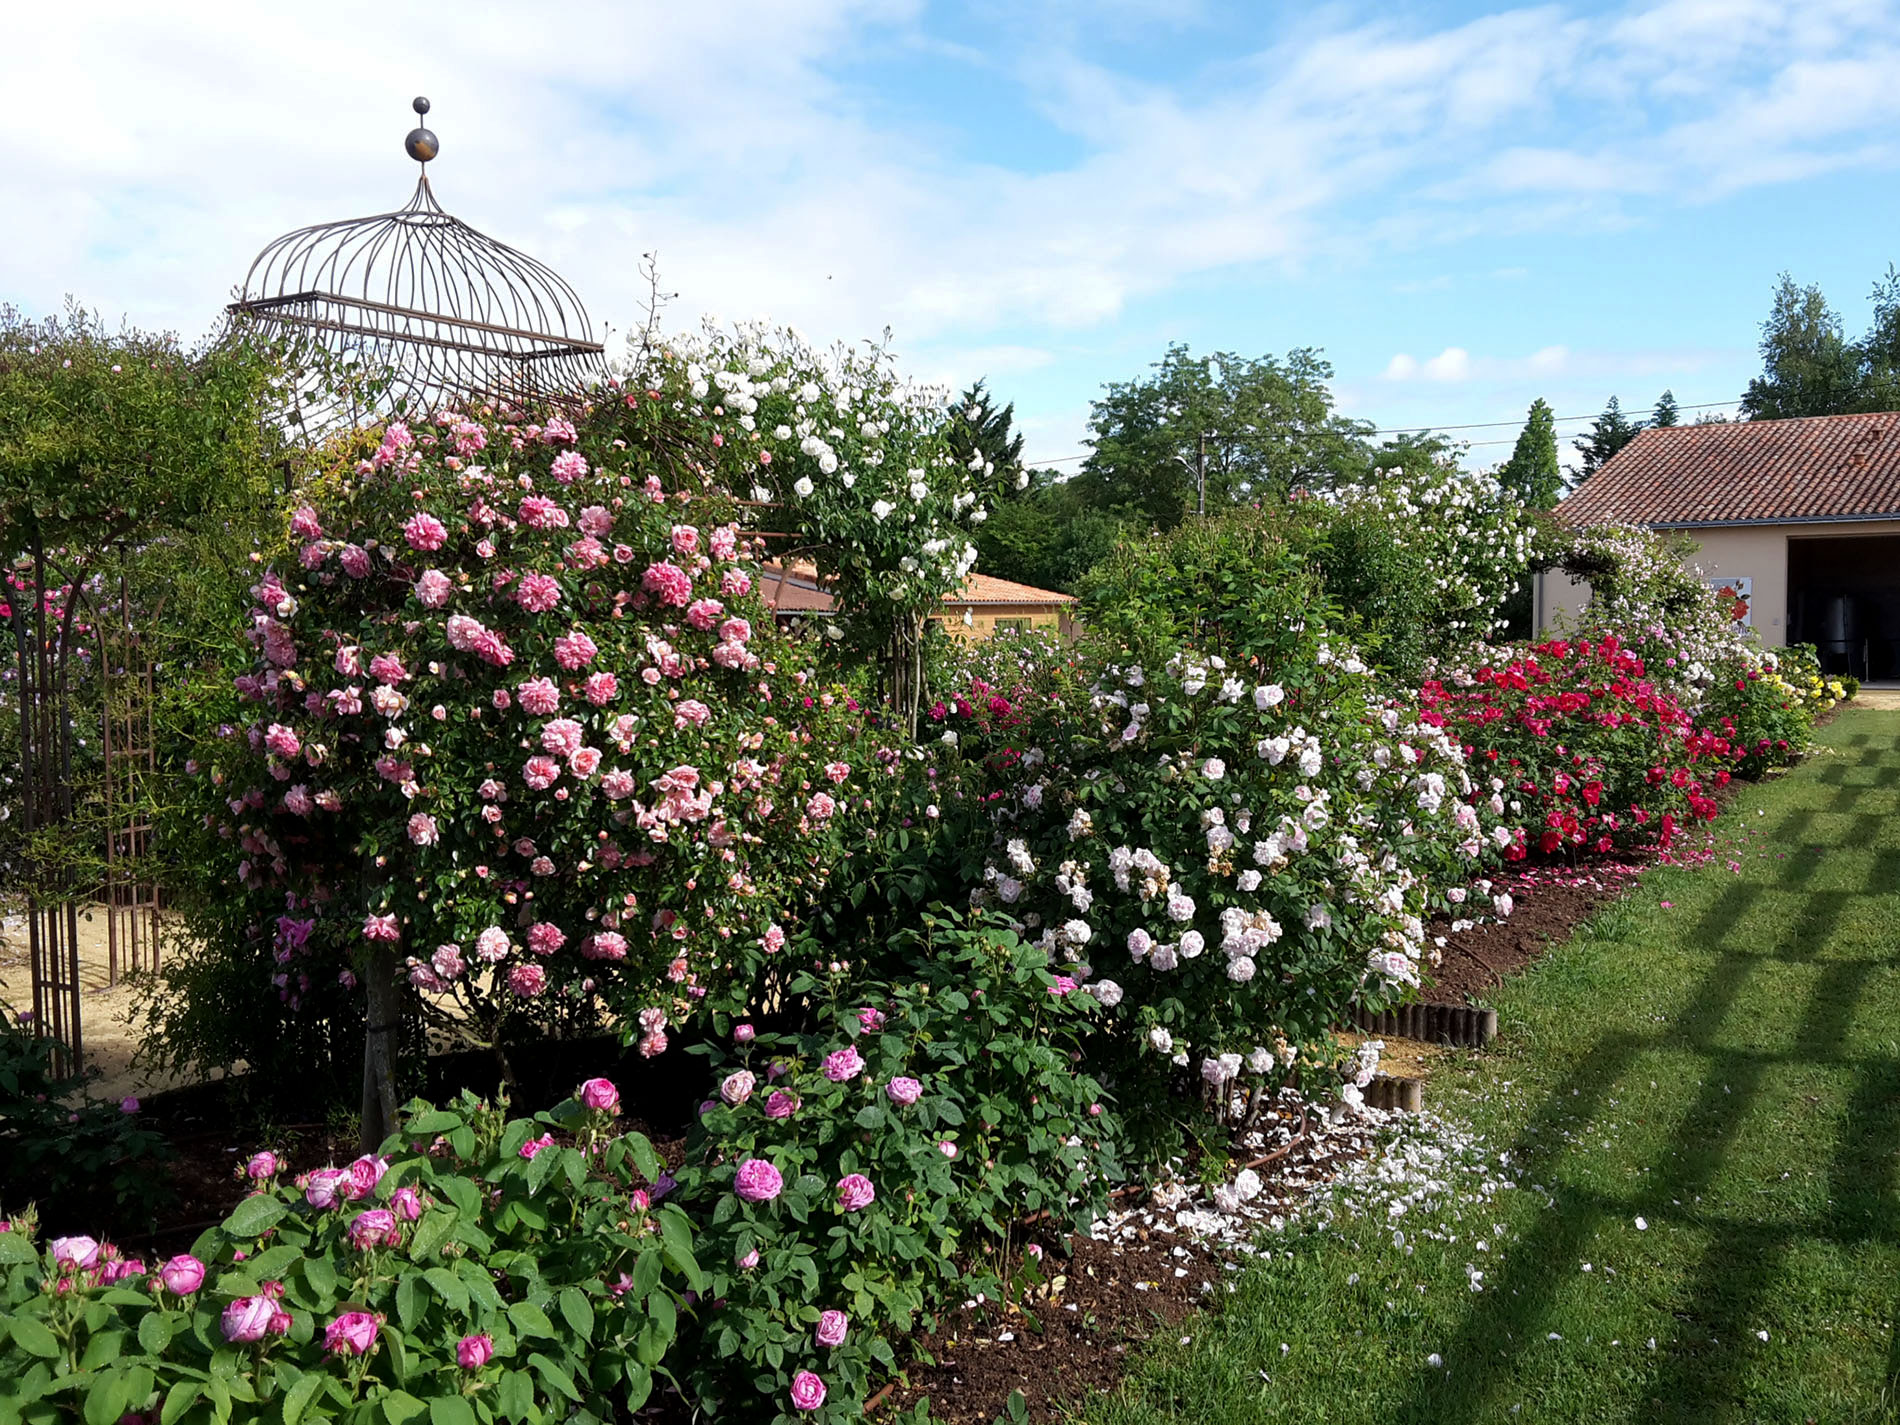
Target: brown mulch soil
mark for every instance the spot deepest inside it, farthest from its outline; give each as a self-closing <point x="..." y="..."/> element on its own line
<point x="1550" y="902"/>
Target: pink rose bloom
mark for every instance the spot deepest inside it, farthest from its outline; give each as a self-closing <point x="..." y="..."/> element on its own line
<point x="424" y="531"/>
<point x="248" y="1318"/>
<point x="76" y="1253"/>
<point x="537" y="593"/>
<point x="780" y="1104"/>
<point x="305" y="524"/>
<point x="312" y="555"/>
<point x="808" y="1391"/>
<point x="820" y="807"/>
<point x="736" y="630"/>
<point x="596" y="520"/>
<point x="406" y="1204"/>
<point x="690" y="712"/>
<point x="381" y="927"/>
<point x="182" y="1275"/>
<point x="433" y="589"/>
<point x="568" y="466"/>
<point x="735" y="583"/>
<point x="534" y="1145"/>
<point x="838" y="772"/>
<point x="323" y="1188"/>
<point x="527" y="981"/>
<point x="757" y="1181"/>
<point x="261" y="1166"/>
<point x="355" y="560"/>
<point x="855" y="1192"/>
<point x="832" y="1326"/>
<point x="574" y="650"/>
<point x="539" y="696"/>
<point x="736" y="1088"/>
<point x="349" y="661"/>
<point x="540" y="773"/>
<point x="374" y="1228"/>
<point x="282" y="741"/>
<point x="474" y="1352"/>
<point x="448" y="962"/>
<point x="668" y="583"/>
<point x="947" y="1148"/>
<point x="601" y="688"/>
<point x="725" y="542"/>
<point x="297" y="800"/>
<point x="607" y="945"/>
<point x="743" y="1033"/>
<point x="351" y="1334"/>
<point x="748" y="1261"/>
<point x="844" y="1065"/>
<point x="545" y="937"/>
<point x="363" y="1175"/>
<point x="539" y="512"/>
<point x="561" y="736"/>
<point x="600" y="1095"/>
<point x="387" y="668"/>
<point x="871" y="1019"/>
<point x="584" y="762"/>
<point x="773" y="940"/>
<point x="464" y="633"/>
<point x="903" y="1091"/>
<point x="685" y="539"/>
<point x="422" y="829"/>
<point x="702" y="614"/>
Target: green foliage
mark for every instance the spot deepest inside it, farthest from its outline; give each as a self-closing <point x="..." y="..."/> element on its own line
<point x="983" y="437"/>
<point x="1609" y="433"/>
<point x="977" y="1028"/>
<point x="469" y="1226"/>
<point x="64" y="1148"/>
<point x="1048" y="536"/>
<point x="1667" y="413"/>
<point x="1259" y="427"/>
<point x="1808" y="367"/>
<point x="1532" y="473"/>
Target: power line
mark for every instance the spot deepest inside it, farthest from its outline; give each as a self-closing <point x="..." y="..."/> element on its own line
<point x="1422" y="430"/>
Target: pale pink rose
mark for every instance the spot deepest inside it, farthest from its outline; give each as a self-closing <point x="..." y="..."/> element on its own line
<point x="323" y="1187"/>
<point x="247" y="1319"/>
<point x="736" y="1088"/>
<point x="491" y="946"/>
<point x="282" y="741"/>
<point x="855" y="1192"/>
<point x="735" y="583"/>
<point x="539" y="696"/>
<point x="844" y="1064"/>
<point x="433" y="589"/>
<point x="387" y="668"/>
<point x="537" y="593"/>
<point x="540" y="772"/>
<point x="903" y="1091"/>
<point x="374" y="1228"/>
<point x="773" y="940"/>
<point x="584" y="761"/>
<point x="305" y="524"/>
<point x="361" y="1177"/>
<point x="182" y="1275"/>
<point x="76" y="1253"/>
<point x="561" y="736"/>
<point x="425" y="532"/>
<point x="527" y="981"/>
<point x="702" y="614"/>
<point x="574" y="650"/>
<point x="422" y="829"/>
<point x="355" y="560"/>
<point x="406" y="1204"/>
<point x="545" y="937"/>
<point x="820" y="807"/>
<point x="349" y="661"/>
<point x="539" y="512"/>
<point x="669" y="584"/>
<point x="685" y="539"/>
<point x="601" y="688"/>
<point x="690" y="712"/>
<point x="607" y="945"/>
<point x="725" y="542"/>
<point x="568" y="466"/>
<point x="383" y="928"/>
<point x="832" y="1328"/>
<point x="735" y="630"/>
<point x="596" y="520"/>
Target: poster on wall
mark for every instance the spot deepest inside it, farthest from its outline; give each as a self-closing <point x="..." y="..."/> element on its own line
<point x="1738" y="595"/>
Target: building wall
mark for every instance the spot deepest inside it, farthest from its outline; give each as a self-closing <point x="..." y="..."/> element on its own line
<point x="985" y="617"/>
<point x="1755" y="552"/>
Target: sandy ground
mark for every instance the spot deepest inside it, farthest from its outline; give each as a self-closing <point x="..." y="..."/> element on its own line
<point x="106" y="1032"/>
<point x="1880" y="699"/>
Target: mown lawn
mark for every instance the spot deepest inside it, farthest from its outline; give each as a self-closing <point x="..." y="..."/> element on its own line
<point x="1718" y="1055"/>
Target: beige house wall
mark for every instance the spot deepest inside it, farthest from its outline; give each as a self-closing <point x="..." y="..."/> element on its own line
<point x="1755" y="552"/>
<point x="984" y="618"/>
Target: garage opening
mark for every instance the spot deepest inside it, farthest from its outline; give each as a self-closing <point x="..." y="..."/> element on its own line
<point x="1844" y="598"/>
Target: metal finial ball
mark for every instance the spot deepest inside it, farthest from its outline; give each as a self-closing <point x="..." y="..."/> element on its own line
<point x="421" y="145"/>
<point x="420" y="105"/>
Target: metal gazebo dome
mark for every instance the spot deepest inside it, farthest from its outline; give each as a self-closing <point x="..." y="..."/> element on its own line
<point x="450" y="314"/>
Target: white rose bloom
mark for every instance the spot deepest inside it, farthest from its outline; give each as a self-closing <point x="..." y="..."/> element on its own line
<point x="1268" y="695"/>
<point x="1192" y="944"/>
<point x="1247" y="1184"/>
<point x="1161" y="1039"/>
<point x="1213" y="769"/>
<point x="1140" y="942"/>
<point x="1180" y="907"/>
<point x="1248" y="880"/>
<point x="882" y="509"/>
<point x="1107" y="993"/>
<point x="1077" y="932"/>
<point x="918" y="489"/>
<point x="802" y="486"/>
<point x="1260" y="1060"/>
<point x="1240" y="969"/>
<point x="1163" y="958"/>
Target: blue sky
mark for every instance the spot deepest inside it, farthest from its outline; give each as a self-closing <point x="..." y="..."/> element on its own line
<point x="1465" y="206"/>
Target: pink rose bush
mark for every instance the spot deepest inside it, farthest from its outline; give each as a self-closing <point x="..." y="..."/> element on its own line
<point x="439" y="614"/>
<point x="294" y="1299"/>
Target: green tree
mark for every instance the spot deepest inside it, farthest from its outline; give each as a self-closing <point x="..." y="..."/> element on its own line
<point x="977" y="428"/>
<point x="1532" y="473"/>
<point x="1808" y="367"/>
<point x="1880" y="349"/>
<point x="1242" y="428"/>
<point x="1667" y="413"/>
<point x="1049" y="535"/>
<point x="1609" y="433"/>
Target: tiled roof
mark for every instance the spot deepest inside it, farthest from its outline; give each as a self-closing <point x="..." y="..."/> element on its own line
<point x="1815" y="468"/>
<point x="796" y="590"/>
<point x="982" y="589"/>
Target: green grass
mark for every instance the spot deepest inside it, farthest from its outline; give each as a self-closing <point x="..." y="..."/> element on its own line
<point x="1728" y="1069"/>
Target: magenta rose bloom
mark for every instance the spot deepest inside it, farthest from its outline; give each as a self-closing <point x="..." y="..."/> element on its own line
<point x="846" y="1064"/>
<point x="757" y="1181"/>
<point x="474" y="1352"/>
<point x="182" y="1275"/>
<point x="261" y="1166"/>
<point x="364" y="1174"/>
<point x="248" y="1318"/>
<point x="780" y="1104"/>
<point x="351" y="1334"/>
<point x="904" y="1091"/>
<point x="600" y="1095"/>
<point x="375" y="1228"/>
<point x="324" y="1187"/>
<point x="855" y="1192"/>
<point x="808" y="1392"/>
<point x="832" y="1326"/>
<point x="406" y="1203"/>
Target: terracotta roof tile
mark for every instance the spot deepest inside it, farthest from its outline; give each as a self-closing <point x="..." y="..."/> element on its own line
<point x="983" y="589"/>
<point x="796" y="590"/>
<point x="1749" y="472"/>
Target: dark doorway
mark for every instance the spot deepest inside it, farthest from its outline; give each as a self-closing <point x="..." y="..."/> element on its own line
<point x="1844" y="598"/>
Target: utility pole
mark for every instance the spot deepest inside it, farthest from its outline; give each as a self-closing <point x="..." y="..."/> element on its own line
<point x="1200" y="475"/>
